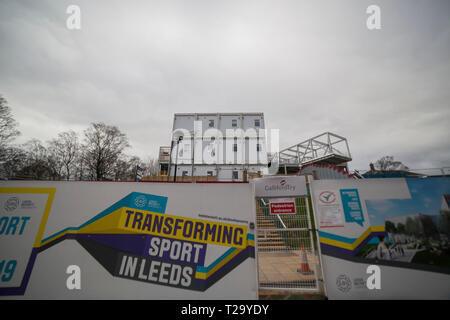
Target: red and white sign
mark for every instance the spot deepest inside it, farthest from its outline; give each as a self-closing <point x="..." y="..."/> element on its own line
<point x="282" y="206"/>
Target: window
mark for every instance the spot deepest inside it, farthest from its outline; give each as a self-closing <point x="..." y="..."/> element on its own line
<point x="235" y="147"/>
<point x="258" y="147"/>
<point x="257" y="123"/>
<point x="185" y="173"/>
<point x="210" y="173"/>
<point x="211" y="123"/>
<point x="235" y="175"/>
<point x="234" y="123"/>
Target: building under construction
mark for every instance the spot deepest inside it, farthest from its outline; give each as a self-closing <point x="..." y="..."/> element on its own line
<point x="202" y="146"/>
<point x="218" y="146"/>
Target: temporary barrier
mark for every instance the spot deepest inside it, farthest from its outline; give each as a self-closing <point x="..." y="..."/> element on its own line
<point x="287" y="257"/>
<point x="304" y="267"/>
<point x="384" y="238"/>
<point x="106" y="240"/>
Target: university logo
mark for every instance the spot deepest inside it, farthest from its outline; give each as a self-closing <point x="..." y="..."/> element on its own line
<point x="140" y="201"/>
<point x="343" y="283"/>
<point x="11" y="204"/>
<point x="154" y="204"/>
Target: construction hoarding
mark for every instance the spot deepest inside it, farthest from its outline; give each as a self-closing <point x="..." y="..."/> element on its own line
<point x="105" y="240"/>
<point x="401" y="225"/>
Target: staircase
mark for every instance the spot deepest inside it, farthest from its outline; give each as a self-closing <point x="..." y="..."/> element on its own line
<point x="267" y="240"/>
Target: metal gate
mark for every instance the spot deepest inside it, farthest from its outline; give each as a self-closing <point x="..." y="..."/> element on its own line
<point x="287" y="247"/>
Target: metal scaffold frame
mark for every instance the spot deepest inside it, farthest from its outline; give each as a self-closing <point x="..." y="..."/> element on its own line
<point x="326" y="146"/>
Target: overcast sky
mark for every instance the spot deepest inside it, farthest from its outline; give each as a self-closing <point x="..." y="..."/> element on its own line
<point x="310" y="66"/>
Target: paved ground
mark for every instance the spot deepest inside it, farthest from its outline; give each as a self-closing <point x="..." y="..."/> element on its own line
<point x="289" y="295"/>
<point x="281" y="267"/>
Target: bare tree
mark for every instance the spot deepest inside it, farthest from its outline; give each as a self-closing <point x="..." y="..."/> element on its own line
<point x="64" y="150"/>
<point x="8" y="127"/>
<point x="387" y="163"/>
<point x="38" y="164"/>
<point x="13" y="161"/>
<point x="126" y="168"/>
<point x="102" y="148"/>
<point x="151" y="167"/>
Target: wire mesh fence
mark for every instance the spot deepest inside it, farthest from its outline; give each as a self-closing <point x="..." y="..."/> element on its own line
<point x="287" y="258"/>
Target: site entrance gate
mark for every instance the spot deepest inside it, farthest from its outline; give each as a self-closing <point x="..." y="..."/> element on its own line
<point x="288" y="254"/>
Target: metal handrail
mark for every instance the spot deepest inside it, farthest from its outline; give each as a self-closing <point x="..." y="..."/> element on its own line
<point x="282" y="223"/>
<point x="279" y="219"/>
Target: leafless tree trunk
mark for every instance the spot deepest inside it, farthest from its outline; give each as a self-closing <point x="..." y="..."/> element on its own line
<point x="8" y="125"/>
<point x="102" y="148"/>
<point x="65" y="150"/>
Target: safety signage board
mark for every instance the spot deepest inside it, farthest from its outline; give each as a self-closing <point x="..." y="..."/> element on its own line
<point x="282" y="206"/>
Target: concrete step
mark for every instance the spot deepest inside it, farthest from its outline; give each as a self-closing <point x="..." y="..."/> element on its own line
<point x="261" y="225"/>
<point x="271" y="243"/>
<point x="269" y="235"/>
<point x="265" y="221"/>
<point x="267" y="240"/>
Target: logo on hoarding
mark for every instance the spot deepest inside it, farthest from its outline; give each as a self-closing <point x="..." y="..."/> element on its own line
<point x="11" y="204"/>
<point x="27" y="204"/>
<point x="327" y="197"/>
<point x="140" y="201"/>
<point x="344" y="283"/>
<point x="359" y="283"/>
<point x="281" y="186"/>
<point x="154" y="204"/>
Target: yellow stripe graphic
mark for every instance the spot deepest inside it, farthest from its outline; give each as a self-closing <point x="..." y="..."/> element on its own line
<point x="354" y="245"/>
<point x="121" y="222"/>
<point x="204" y="276"/>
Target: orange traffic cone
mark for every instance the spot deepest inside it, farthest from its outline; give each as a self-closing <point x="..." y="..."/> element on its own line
<point x="304" y="266"/>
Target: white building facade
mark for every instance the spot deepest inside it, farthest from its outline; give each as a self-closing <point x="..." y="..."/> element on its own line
<point x="225" y="145"/>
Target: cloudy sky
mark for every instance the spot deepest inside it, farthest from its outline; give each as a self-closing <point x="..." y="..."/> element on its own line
<point x="310" y="66"/>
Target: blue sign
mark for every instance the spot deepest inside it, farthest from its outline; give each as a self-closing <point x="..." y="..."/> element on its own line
<point x="139" y="172"/>
<point x="352" y="206"/>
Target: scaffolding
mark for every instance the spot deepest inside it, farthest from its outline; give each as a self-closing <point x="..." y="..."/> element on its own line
<point x="326" y="148"/>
